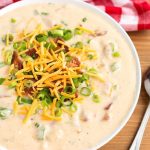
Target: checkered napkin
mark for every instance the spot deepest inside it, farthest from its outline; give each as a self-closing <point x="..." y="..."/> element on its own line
<point x="132" y="15"/>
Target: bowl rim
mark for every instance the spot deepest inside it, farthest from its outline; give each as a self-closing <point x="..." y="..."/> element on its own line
<point x="120" y="30"/>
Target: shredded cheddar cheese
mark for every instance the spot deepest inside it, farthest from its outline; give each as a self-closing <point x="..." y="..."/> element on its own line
<point x="31" y="110"/>
<point x="86" y="30"/>
<point x="46" y="73"/>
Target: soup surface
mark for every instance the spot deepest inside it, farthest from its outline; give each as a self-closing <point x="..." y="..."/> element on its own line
<point x="101" y="53"/>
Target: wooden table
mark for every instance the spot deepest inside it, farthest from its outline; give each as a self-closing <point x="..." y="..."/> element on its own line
<point x="123" y="140"/>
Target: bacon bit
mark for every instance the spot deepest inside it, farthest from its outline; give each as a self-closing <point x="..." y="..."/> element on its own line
<point x="61" y="90"/>
<point x="59" y="45"/>
<point x="108" y="106"/>
<point x="84" y="117"/>
<point x="4" y="96"/>
<point x="80" y="71"/>
<point x="56" y="41"/>
<point x="74" y="62"/>
<point x="76" y="95"/>
<point x="28" y="91"/>
<point x="106" y="117"/>
<point x="100" y="33"/>
<point x="32" y="52"/>
<point x="16" y="60"/>
<point x="66" y="49"/>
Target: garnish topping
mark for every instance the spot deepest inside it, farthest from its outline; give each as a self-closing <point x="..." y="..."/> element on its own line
<point x="47" y="74"/>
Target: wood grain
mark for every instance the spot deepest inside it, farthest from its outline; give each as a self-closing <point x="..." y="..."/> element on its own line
<point x="123" y="140"/>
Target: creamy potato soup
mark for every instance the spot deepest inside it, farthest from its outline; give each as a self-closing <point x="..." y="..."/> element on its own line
<point x="67" y="78"/>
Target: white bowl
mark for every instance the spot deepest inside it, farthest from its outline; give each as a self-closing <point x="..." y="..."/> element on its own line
<point x="120" y="30"/>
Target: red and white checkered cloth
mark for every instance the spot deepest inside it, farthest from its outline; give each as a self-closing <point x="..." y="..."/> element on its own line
<point x="132" y="15"/>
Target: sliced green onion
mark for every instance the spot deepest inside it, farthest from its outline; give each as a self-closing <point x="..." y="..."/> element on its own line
<point x="90" y="56"/>
<point x="44" y="13"/>
<point x="58" y="112"/>
<point x="84" y="77"/>
<point x="46" y="100"/>
<point x="59" y="103"/>
<point x="15" y="45"/>
<point x="45" y="97"/>
<point x="28" y="58"/>
<point x="41" y="133"/>
<point x="77" y="31"/>
<point x="79" y="45"/>
<point x="22" y="100"/>
<point x="68" y="58"/>
<point x="67" y="103"/>
<point x="49" y="45"/>
<point x="24" y="55"/>
<point x="31" y="45"/>
<point x="2" y="80"/>
<point x="85" y="91"/>
<point x="20" y="46"/>
<point x="115" y="66"/>
<point x="67" y="35"/>
<point x="76" y="82"/>
<point x="28" y="83"/>
<point x="44" y="103"/>
<point x="28" y="73"/>
<point x="93" y="70"/>
<point x="43" y="93"/>
<point x="37" y="125"/>
<point x="41" y="37"/>
<point x="2" y="64"/>
<point x="12" y="85"/>
<point x="84" y="19"/>
<point x="26" y="100"/>
<point x="56" y="33"/>
<point x="34" y="56"/>
<point x="69" y="90"/>
<point x="73" y="107"/>
<point x="62" y="98"/>
<point x="4" y="113"/>
<point x="113" y="46"/>
<point x="115" y="86"/>
<point x="7" y="54"/>
<point x="96" y="98"/>
<point x="116" y="54"/>
<point x="9" y="36"/>
<point x="88" y="41"/>
<point x="13" y="20"/>
<point x="64" y="23"/>
<point x="12" y="74"/>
